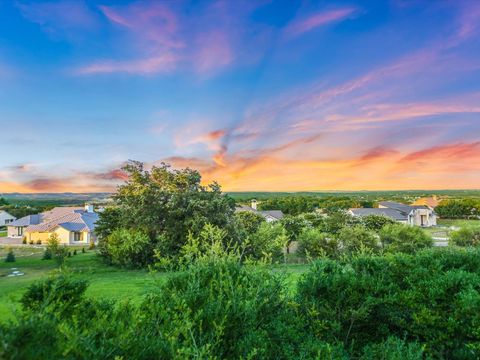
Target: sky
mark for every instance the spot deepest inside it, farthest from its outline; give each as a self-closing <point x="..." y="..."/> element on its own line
<point x="258" y="95"/>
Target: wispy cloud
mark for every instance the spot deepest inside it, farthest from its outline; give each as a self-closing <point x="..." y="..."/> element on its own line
<point x="158" y="64"/>
<point x="313" y="21"/>
<point x="60" y="18"/>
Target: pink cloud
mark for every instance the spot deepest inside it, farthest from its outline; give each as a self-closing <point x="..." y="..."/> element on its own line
<point x="214" y="51"/>
<point x="160" y="64"/>
<point x="150" y="23"/>
<point x="323" y="18"/>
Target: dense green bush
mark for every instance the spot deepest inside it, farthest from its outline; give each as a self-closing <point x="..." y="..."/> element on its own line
<point x="459" y="209"/>
<point x="267" y="242"/>
<point x="356" y="239"/>
<point x="312" y="243"/>
<point x="404" y="238"/>
<point x="129" y="248"/>
<point x="465" y="236"/>
<point x="376" y="222"/>
<point x="61" y="290"/>
<point x="432" y="298"/>
<point x="249" y="221"/>
<point x="10" y="256"/>
<point x="367" y="307"/>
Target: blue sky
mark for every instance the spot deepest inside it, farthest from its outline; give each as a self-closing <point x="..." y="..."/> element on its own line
<point x="259" y="95"/>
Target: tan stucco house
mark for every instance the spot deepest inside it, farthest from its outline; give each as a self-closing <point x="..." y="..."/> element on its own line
<point x="73" y="225"/>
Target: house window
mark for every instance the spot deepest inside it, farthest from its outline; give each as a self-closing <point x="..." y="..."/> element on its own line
<point x="8" y="221"/>
<point x="20" y="231"/>
<point x="77" y="236"/>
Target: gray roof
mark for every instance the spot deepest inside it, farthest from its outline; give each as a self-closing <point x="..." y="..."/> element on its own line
<point x="27" y="220"/>
<point x="277" y="214"/>
<point x="390" y="213"/>
<point x="401" y="207"/>
<point x="74" y="221"/>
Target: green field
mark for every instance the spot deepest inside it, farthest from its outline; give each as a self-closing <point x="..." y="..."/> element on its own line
<point x="104" y="281"/>
<point x="458" y="222"/>
<point x="3" y="233"/>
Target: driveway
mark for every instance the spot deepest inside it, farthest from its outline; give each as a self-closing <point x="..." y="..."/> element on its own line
<point x="10" y="241"/>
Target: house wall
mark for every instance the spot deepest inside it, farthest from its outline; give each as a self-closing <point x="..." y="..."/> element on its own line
<point x="5" y="218"/>
<point x="415" y="217"/>
<point x="12" y="231"/>
<point x="37" y="236"/>
<point x="64" y="236"/>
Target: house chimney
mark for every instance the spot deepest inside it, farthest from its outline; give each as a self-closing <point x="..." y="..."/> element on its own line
<point x="89" y="208"/>
<point x="254" y="204"/>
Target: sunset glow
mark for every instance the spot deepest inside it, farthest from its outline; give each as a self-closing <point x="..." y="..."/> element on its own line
<point x="257" y="95"/>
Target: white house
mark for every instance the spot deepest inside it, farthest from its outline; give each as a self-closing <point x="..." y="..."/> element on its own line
<point x="269" y="215"/>
<point x="6" y="218"/>
<point x="418" y="215"/>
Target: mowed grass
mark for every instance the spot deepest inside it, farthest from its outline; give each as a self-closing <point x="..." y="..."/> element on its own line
<point x="458" y="222"/>
<point x="105" y="281"/>
<point x="3" y="233"/>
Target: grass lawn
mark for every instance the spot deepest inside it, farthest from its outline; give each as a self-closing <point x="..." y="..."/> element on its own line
<point x="3" y="233"/>
<point x="104" y="281"/>
<point x="458" y="222"/>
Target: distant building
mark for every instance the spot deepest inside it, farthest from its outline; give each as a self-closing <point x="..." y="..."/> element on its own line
<point x="418" y="215"/>
<point x="73" y="225"/>
<point x="6" y="218"/>
<point x="432" y="201"/>
<point x="269" y="215"/>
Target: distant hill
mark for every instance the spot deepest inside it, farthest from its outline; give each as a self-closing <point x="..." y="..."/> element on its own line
<point x="55" y="198"/>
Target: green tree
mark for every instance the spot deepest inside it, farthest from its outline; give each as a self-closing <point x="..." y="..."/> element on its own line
<point x="465" y="236"/>
<point x="3" y="201"/>
<point x="10" y="256"/>
<point x="168" y="204"/>
<point x="129" y="248"/>
<point x="404" y="238"/>
<point x="267" y="243"/>
<point x="315" y="244"/>
<point x="109" y="220"/>
<point x="376" y="222"/>
<point x="55" y="251"/>
<point x="249" y="221"/>
<point x="293" y="226"/>
<point x="357" y="239"/>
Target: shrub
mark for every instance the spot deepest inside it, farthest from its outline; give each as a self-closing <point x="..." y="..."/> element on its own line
<point x="129" y="248"/>
<point x="24" y="241"/>
<point x="83" y="250"/>
<point x="357" y="239"/>
<point x="47" y="254"/>
<point x="466" y="236"/>
<point x="60" y="291"/>
<point x="31" y="242"/>
<point x="394" y="349"/>
<point x="218" y="308"/>
<point x="376" y="222"/>
<point x="91" y="246"/>
<point x="314" y="244"/>
<point x="75" y="252"/>
<point x="404" y="238"/>
<point x="267" y="243"/>
<point x="249" y="221"/>
<point x="364" y="300"/>
<point x="10" y="256"/>
<point x="39" y="242"/>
